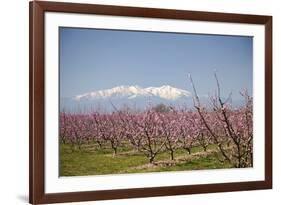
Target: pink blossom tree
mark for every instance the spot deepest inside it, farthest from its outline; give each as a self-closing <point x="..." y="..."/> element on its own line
<point x="230" y="129"/>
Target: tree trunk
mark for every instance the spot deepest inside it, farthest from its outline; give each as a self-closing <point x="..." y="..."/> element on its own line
<point x="100" y="145"/>
<point x="205" y="148"/>
<point x="172" y="154"/>
<point x="115" y="151"/>
<point x="151" y="159"/>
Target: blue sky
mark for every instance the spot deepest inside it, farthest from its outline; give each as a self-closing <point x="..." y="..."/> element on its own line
<point x="92" y="59"/>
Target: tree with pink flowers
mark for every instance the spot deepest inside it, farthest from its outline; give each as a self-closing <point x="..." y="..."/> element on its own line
<point x="231" y="129"/>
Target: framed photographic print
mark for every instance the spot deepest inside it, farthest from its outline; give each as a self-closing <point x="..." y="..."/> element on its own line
<point x="138" y="102"/>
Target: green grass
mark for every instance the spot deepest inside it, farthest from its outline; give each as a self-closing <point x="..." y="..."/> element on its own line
<point x="93" y="161"/>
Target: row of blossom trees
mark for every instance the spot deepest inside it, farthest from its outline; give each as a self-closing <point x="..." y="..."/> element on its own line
<point x="152" y="131"/>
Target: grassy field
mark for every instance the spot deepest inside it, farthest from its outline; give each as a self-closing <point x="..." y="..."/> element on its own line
<point x="93" y="161"/>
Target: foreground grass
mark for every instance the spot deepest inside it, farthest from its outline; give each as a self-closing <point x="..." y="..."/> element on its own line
<point x="93" y="161"/>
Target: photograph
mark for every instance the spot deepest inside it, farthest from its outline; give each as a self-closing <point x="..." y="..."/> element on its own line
<point x="132" y="102"/>
<point x="147" y="101"/>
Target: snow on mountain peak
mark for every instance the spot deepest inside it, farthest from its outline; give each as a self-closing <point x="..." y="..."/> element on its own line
<point x="166" y="92"/>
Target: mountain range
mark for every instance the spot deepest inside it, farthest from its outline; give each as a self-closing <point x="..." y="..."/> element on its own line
<point x="130" y="92"/>
<point x="132" y="96"/>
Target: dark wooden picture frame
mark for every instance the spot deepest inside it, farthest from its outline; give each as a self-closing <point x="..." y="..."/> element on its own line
<point x="37" y="193"/>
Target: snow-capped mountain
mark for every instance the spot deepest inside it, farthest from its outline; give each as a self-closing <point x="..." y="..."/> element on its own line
<point x="165" y="92"/>
<point x="130" y="96"/>
<point x="134" y="97"/>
